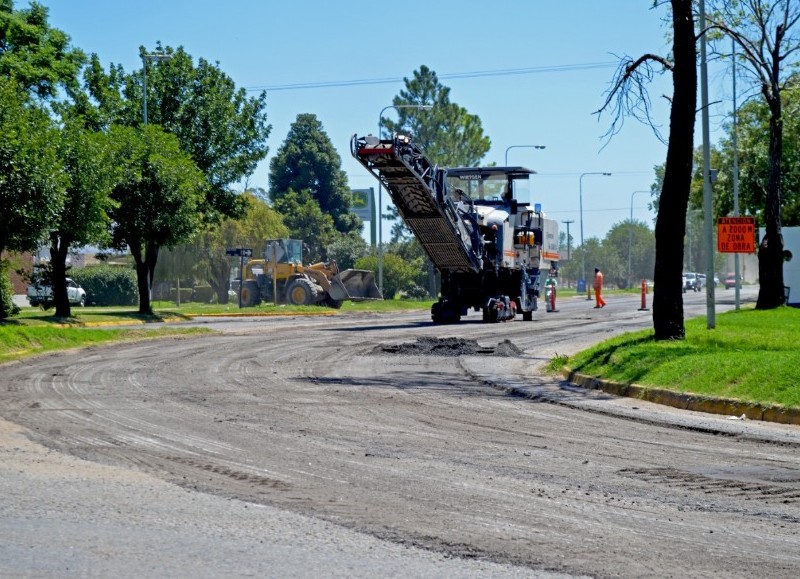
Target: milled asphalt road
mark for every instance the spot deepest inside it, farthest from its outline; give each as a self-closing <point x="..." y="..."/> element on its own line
<point x="62" y="516"/>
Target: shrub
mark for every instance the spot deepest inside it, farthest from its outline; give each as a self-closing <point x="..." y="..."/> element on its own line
<point x="186" y="294"/>
<point x="108" y="286"/>
<point x="7" y="306"/>
<point x="203" y="294"/>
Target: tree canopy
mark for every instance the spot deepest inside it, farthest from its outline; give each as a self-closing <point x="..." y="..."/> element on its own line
<point x="307" y="161"/>
<point x="158" y="199"/>
<point x="447" y="133"/>
<point x="37" y="57"/>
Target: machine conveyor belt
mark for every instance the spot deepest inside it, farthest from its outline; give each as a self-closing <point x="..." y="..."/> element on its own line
<point x="417" y="189"/>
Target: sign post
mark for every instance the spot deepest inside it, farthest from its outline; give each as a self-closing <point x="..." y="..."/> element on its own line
<point x="241" y="253"/>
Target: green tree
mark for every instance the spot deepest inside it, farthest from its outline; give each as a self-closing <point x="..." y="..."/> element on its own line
<point x="259" y="223"/>
<point x="306" y="220"/>
<point x="157" y="199"/>
<point x="346" y="249"/>
<point x="768" y="34"/>
<point x="398" y="275"/>
<point x="32" y="182"/>
<point x="35" y="61"/>
<point x="308" y="161"/>
<point x="223" y="131"/>
<point x="37" y="57"/>
<point x="634" y="243"/>
<point x="628" y="96"/>
<point x="83" y="219"/>
<point x="447" y="133"/>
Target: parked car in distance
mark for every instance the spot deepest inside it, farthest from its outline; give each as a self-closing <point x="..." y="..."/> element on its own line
<point x="693" y="281"/>
<point x="43" y="295"/>
<point x="730" y="281"/>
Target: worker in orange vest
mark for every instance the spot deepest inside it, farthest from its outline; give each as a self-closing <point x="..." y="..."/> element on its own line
<point x="598" y="288"/>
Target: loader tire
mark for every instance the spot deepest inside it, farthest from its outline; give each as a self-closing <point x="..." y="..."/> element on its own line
<point x="301" y="292"/>
<point x="332" y="303"/>
<point x="251" y="295"/>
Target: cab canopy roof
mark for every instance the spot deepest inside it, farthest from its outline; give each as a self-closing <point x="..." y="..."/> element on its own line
<point x="487" y="172"/>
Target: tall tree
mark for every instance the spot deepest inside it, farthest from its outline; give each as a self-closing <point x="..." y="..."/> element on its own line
<point x="768" y="33"/>
<point x="38" y="57"/>
<point x="628" y="95"/>
<point x="308" y="161"/>
<point x="447" y="133"/>
<point x="306" y="220"/>
<point x="158" y="199"/>
<point x="259" y="223"/>
<point x="223" y="131"/>
<point x="88" y="163"/>
<point x="32" y="182"/>
<point x="35" y="61"/>
<point x="753" y="148"/>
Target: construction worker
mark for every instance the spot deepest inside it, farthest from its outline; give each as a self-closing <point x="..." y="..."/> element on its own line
<point x="549" y="287"/>
<point x="598" y="289"/>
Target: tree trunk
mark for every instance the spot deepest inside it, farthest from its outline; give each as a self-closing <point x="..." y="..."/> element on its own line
<point x="668" y="321"/>
<point x="58" y="263"/>
<point x="770" y="251"/>
<point x="145" y="259"/>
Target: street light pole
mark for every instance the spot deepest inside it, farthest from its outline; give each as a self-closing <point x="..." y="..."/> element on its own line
<point x="580" y="202"/>
<point x="380" y="188"/>
<point x="630" y="235"/>
<point x="152" y="58"/>
<point x="567" y="223"/>
<point x="522" y="146"/>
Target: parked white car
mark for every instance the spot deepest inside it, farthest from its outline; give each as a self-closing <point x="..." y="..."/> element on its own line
<point x="43" y="295"/>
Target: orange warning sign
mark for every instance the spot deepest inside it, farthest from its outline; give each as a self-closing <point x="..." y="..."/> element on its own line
<point x="736" y="235"/>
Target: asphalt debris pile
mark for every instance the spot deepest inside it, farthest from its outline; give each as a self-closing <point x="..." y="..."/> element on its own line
<point x="447" y="347"/>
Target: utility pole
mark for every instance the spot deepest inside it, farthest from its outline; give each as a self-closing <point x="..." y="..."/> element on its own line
<point x="567" y="223"/>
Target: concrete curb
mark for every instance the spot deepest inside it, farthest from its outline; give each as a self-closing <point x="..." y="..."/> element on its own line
<point x="693" y="402"/>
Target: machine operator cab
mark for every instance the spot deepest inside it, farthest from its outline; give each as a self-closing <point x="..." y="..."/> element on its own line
<point x="499" y="200"/>
<point x="491" y="185"/>
<point x="284" y="251"/>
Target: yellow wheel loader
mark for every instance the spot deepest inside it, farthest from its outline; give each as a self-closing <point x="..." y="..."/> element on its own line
<point x="281" y="277"/>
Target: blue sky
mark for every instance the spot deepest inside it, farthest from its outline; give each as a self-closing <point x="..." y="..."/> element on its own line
<point x="270" y="44"/>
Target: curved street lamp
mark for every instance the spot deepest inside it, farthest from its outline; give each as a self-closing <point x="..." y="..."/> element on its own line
<point x="522" y="146"/>
<point x="380" y="202"/>
<point x="155" y="57"/>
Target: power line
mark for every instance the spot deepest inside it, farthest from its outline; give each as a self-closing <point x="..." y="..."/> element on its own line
<point x="455" y="75"/>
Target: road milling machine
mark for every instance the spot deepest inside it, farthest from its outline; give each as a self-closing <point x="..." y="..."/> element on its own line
<point x="486" y="242"/>
<point x="281" y="273"/>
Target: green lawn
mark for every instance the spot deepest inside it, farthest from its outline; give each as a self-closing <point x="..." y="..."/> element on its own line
<point x="750" y="356"/>
<point x="36" y="331"/>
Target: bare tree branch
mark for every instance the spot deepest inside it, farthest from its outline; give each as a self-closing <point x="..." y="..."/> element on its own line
<point x="628" y="94"/>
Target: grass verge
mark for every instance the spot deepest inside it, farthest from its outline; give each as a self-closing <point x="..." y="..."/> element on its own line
<point x="19" y="341"/>
<point x="750" y="356"/>
<point x="35" y="331"/>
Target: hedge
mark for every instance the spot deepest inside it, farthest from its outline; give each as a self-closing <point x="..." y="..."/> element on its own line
<point x="107" y="285"/>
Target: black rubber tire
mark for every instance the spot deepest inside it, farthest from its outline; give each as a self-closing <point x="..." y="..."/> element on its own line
<point x="301" y="292"/>
<point x="251" y="295"/>
<point x="332" y="303"/>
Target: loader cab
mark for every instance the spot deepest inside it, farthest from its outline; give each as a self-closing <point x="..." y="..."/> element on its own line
<point x="284" y="251"/>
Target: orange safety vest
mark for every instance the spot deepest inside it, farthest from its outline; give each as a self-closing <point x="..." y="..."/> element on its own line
<point x="598" y="280"/>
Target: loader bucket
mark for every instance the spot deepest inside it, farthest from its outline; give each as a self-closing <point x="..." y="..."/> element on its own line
<point x="357" y="285"/>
